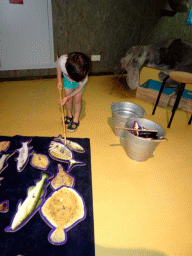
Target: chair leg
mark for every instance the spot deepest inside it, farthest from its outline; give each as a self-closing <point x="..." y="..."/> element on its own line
<point x="160" y="92"/>
<point x="190" y="120"/>
<point x="179" y="95"/>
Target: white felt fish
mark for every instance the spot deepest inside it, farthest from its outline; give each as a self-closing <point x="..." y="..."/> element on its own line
<point x="23" y="157"/>
<point x="3" y="161"/>
<point x="35" y="197"/>
<point x="61" y="152"/>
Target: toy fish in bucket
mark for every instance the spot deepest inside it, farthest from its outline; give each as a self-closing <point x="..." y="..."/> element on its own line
<point x="142" y="132"/>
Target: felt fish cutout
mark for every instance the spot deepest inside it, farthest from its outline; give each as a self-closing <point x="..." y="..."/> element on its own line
<point x="61" y="152"/>
<point x="71" y="144"/>
<point x="75" y="146"/>
<point x="62" y="179"/>
<point x="144" y="133"/>
<point x="1" y="178"/>
<point x="62" y="210"/>
<point x="4" y="206"/>
<point x="23" y="157"/>
<point x="27" y="208"/>
<point x="3" y="160"/>
<point x="136" y="126"/>
<point x="39" y="161"/>
<point x="4" y="145"/>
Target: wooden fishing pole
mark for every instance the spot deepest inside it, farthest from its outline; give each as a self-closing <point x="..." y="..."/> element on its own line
<point x="63" y="119"/>
<point x="63" y="115"/>
<point x="137" y="130"/>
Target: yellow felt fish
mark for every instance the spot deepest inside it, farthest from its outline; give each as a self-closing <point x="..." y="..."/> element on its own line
<point x="71" y="144"/>
<point x="39" y="161"/>
<point x="4" y="145"/>
<point x="62" y="178"/>
<point x="62" y="211"/>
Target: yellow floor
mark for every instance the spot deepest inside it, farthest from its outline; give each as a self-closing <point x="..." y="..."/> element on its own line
<point x="140" y="208"/>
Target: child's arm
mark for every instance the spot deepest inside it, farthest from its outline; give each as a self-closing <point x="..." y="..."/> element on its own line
<point x="59" y="79"/>
<point x="76" y="91"/>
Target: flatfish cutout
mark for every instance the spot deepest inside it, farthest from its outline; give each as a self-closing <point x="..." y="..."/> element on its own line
<point x="4" y="145"/>
<point x="62" y="179"/>
<point x="27" y="208"/>
<point x="4" y="206"/>
<point x="60" y="152"/>
<point x="39" y="161"/>
<point x="62" y="210"/>
<point x="24" y="154"/>
<point x="74" y="146"/>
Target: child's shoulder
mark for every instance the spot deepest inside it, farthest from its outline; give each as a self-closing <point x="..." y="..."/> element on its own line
<point x="60" y="63"/>
<point x="63" y="57"/>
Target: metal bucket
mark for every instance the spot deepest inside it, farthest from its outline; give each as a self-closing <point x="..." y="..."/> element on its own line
<point x="138" y="148"/>
<point x="121" y="112"/>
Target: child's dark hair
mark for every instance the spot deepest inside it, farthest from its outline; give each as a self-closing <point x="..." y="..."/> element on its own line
<point x="77" y="66"/>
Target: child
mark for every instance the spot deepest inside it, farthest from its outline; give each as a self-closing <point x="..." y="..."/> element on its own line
<point x="75" y="67"/>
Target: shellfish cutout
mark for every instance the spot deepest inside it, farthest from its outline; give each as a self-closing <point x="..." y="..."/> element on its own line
<point x="24" y="154"/>
<point x="62" y="179"/>
<point x="39" y="161"/>
<point x="60" y="152"/>
<point x="4" y="145"/>
<point x="34" y="200"/>
<point x="74" y="146"/>
<point x="62" y="210"/>
<point x="4" y="206"/>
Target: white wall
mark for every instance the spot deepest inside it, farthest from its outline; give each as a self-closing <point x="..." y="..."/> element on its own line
<point x="26" y="35"/>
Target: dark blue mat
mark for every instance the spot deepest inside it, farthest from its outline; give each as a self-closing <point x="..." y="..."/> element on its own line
<point x="32" y="239"/>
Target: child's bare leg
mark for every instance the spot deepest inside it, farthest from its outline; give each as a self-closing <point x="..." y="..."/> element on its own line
<point x="77" y="106"/>
<point x="69" y="102"/>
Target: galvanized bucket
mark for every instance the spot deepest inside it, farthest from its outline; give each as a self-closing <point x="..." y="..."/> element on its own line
<point x="121" y="112"/>
<point x="138" y="148"/>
